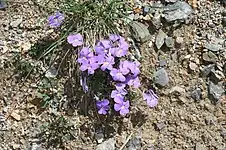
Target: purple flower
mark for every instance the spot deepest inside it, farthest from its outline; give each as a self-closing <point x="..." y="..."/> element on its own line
<point x="131" y="80"/>
<point x="114" y="37"/>
<point x="120" y="86"/>
<point x="85" y="54"/>
<point x="121" y="50"/>
<point x="83" y="83"/>
<point x="91" y="65"/>
<point x="107" y="62"/>
<point x="102" y="47"/>
<point x="151" y="98"/>
<point x="130" y="66"/>
<point x="75" y="39"/>
<point x="122" y="106"/>
<point x="118" y="93"/>
<point x="117" y="75"/>
<point x="103" y="106"/>
<point x="56" y="20"/>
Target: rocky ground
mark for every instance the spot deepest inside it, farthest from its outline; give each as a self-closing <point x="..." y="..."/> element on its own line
<point x="182" y="49"/>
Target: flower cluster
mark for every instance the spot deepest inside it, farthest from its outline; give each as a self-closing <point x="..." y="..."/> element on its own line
<point x="106" y="55"/>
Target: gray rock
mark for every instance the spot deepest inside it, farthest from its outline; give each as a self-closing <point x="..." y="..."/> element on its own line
<point x="209" y="57"/>
<point x="134" y="143"/>
<point x="51" y="73"/>
<point x="213" y="47"/>
<point x="160" y="38"/>
<point x="156" y="20"/>
<point x="140" y="32"/>
<point x="161" y="77"/>
<point x="207" y="69"/>
<point x="107" y="145"/>
<point x="160" y="125"/>
<point x="196" y="94"/>
<point x="169" y="42"/>
<point x="215" y="91"/>
<point x="16" y="22"/>
<point x="178" y="11"/>
<point x="99" y="136"/>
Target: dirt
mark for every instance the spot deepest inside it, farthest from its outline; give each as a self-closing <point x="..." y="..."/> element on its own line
<point x="178" y="121"/>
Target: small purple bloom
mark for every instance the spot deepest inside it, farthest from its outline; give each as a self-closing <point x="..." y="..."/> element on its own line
<point x="83" y="83"/>
<point x="117" y="75"/>
<point x="122" y="106"/>
<point x="91" y="65"/>
<point x="133" y="81"/>
<point x="130" y="66"/>
<point x="75" y="39"/>
<point x="102" y="47"/>
<point x="56" y="20"/>
<point x="85" y="54"/>
<point x="151" y="98"/>
<point x="120" y="86"/>
<point x="118" y="93"/>
<point x="114" y="37"/>
<point x="107" y="62"/>
<point x="103" y="106"/>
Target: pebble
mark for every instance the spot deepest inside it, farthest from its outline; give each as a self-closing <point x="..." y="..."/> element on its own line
<point x="51" y="72"/>
<point x="213" y="47"/>
<point x="107" y="145"/>
<point x="207" y="69"/>
<point x="178" y="11"/>
<point x="209" y="57"/>
<point x="99" y="136"/>
<point x="215" y="91"/>
<point x="160" y="38"/>
<point x="160" y="125"/>
<point x="134" y="143"/>
<point x="193" y="66"/>
<point x="15" y="115"/>
<point x="196" y="94"/>
<point x="169" y="42"/>
<point x="16" y="23"/>
<point x="156" y="20"/>
<point x="161" y="77"/>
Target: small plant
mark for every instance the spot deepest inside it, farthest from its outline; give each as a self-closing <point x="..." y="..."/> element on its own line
<point x="106" y="70"/>
<point x="57" y="132"/>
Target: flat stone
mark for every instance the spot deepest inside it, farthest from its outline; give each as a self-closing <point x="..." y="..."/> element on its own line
<point x="169" y="42"/>
<point x="140" y="31"/>
<point x="177" y="11"/>
<point x="16" y="23"/>
<point x="213" y="47"/>
<point x="215" y="91"/>
<point x="193" y="66"/>
<point x="209" y="57"/>
<point x="160" y="39"/>
<point x="107" y="145"/>
<point x="15" y="115"/>
<point x="161" y="77"/>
